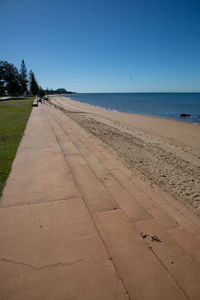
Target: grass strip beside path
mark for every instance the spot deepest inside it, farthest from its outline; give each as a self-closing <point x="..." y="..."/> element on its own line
<point x="14" y="115"/>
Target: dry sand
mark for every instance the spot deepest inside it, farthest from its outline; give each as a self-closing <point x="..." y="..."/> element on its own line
<point x="166" y="153"/>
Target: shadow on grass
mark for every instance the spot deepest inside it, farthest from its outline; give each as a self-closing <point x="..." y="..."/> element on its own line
<point x="20" y="98"/>
<point x="16" y="98"/>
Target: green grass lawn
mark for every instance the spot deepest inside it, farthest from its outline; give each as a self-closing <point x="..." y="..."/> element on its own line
<point x="14" y="114"/>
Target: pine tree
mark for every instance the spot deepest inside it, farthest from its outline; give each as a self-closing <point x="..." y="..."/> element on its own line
<point x="34" y="88"/>
<point x="10" y="79"/>
<point x="23" y="77"/>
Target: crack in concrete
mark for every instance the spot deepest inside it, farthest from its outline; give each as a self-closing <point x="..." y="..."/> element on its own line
<point x="43" y="267"/>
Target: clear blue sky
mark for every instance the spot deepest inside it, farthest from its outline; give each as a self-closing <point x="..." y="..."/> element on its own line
<point x="105" y="46"/>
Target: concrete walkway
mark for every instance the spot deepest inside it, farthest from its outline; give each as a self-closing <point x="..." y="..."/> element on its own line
<point x="76" y="224"/>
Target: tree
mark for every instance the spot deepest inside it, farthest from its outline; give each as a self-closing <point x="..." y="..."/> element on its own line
<point x="23" y="77"/>
<point x="34" y="88"/>
<point x="9" y="78"/>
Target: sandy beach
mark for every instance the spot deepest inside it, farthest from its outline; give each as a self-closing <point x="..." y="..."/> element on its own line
<point x="165" y="153"/>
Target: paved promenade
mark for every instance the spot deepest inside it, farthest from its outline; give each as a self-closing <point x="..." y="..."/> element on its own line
<point x="75" y="224"/>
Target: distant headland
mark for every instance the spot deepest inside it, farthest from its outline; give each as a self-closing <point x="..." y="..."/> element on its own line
<point x="58" y="91"/>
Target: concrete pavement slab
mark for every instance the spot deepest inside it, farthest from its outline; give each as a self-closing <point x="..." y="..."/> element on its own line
<point x="144" y="276"/>
<point x="53" y="251"/>
<point x="187" y="241"/>
<point x="37" y="176"/>
<point x="96" y="196"/>
<point x="151" y="206"/>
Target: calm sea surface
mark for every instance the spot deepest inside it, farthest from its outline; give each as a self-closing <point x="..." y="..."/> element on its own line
<point x="165" y="105"/>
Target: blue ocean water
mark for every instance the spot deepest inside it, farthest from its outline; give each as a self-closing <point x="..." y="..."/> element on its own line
<point x="164" y="105"/>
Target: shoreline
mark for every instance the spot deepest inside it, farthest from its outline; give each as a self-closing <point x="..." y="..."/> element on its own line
<point x="192" y="119"/>
<point x="165" y="152"/>
<point x="127" y="113"/>
<point x="144" y="115"/>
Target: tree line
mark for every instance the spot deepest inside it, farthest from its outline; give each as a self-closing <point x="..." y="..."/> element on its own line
<point x="16" y="82"/>
<point x="58" y="91"/>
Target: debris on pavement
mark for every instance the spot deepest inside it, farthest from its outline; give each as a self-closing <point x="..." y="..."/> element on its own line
<point x="143" y="235"/>
<point x="155" y="238"/>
